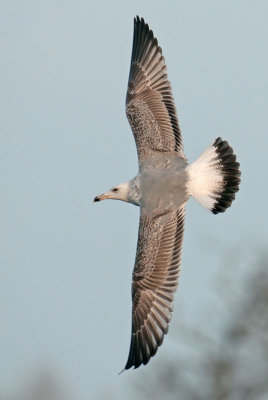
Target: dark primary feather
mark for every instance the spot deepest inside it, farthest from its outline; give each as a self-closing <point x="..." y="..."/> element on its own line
<point x="150" y="106"/>
<point x="155" y="279"/>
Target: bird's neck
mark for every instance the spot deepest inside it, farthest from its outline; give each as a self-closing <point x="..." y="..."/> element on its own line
<point x="134" y="195"/>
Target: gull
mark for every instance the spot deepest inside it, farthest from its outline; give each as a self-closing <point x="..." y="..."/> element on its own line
<point x="163" y="185"/>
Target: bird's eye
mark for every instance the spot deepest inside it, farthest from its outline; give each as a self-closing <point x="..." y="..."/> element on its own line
<point x="115" y="190"/>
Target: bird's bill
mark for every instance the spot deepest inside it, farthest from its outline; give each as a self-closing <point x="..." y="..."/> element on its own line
<point x="103" y="197"/>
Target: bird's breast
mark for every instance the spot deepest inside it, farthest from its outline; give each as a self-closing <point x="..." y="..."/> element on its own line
<point x="164" y="187"/>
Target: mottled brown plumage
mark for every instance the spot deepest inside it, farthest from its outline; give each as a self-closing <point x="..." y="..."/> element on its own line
<point x="153" y="119"/>
<point x="155" y="279"/>
<point x="150" y="105"/>
<point x="162" y="187"/>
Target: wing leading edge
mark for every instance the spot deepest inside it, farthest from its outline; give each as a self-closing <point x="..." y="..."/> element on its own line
<point x="155" y="279"/>
<point x="150" y="105"/>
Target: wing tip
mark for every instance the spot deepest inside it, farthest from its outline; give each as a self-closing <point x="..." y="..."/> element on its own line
<point x="123" y="370"/>
<point x="139" y="21"/>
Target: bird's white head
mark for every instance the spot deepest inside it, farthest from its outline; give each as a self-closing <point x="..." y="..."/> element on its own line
<point x="118" y="192"/>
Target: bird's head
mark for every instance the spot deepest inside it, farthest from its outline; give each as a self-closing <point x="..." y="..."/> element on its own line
<point x="118" y="192"/>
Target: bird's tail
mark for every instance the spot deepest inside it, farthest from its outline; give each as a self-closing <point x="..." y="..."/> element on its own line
<point x="214" y="177"/>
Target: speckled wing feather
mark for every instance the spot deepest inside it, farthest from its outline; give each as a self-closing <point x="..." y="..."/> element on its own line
<point x="155" y="279"/>
<point x="150" y="105"/>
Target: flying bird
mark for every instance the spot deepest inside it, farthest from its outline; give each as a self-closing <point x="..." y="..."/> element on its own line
<point x="162" y="187"/>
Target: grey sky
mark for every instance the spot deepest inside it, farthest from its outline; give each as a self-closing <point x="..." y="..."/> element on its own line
<point x="65" y="262"/>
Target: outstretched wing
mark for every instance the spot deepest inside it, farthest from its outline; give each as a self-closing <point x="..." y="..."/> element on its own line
<point x="150" y="105"/>
<point x="155" y="279"/>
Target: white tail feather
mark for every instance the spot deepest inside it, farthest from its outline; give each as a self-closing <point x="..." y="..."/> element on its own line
<point x="214" y="177"/>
